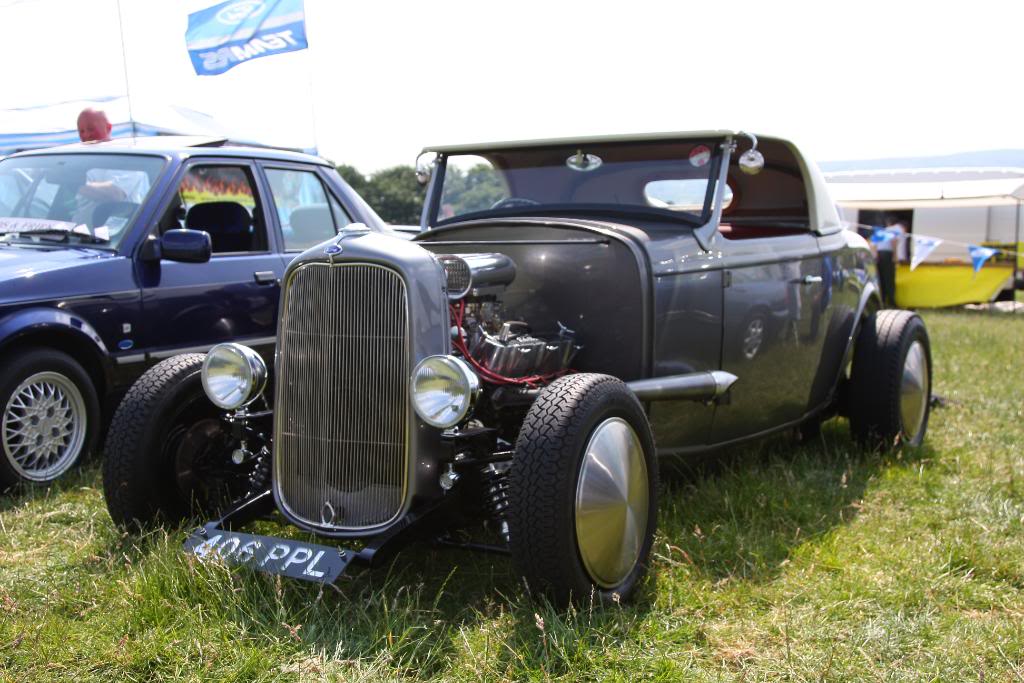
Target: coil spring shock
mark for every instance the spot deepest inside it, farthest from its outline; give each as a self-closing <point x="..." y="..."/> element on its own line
<point x="259" y="480"/>
<point x="495" y="477"/>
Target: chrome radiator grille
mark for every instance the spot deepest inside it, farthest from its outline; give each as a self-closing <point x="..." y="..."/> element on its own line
<point x="341" y="422"/>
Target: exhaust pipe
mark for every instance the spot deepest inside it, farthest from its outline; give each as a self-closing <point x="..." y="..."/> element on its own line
<point x="693" y="386"/>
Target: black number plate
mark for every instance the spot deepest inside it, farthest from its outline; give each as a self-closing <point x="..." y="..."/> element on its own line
<point x="294" y="559"/>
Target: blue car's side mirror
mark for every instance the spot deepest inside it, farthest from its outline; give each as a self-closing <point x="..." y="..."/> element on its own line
<point x="187" y="246"/>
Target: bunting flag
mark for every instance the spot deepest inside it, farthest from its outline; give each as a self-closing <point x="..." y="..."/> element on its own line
<point x="923" y="246"/>
<point x="882" y="235"/>
<point x="980" y="254"/>
<point x="225" y="35"/>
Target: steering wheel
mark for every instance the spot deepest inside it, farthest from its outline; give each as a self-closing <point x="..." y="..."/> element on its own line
<point x="513" y="203"/>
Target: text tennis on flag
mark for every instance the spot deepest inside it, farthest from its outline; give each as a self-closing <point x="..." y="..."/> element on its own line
<point x="225" y="35"/>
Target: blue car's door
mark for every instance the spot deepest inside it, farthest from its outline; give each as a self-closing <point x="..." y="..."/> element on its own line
<point x="234" y="296"/>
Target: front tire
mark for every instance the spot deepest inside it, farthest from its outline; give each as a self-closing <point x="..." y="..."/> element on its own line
<point x="50" y="417"/>
<point x="168" y="453"/>
<point x="891" y="380"/>
<point x="583" y="491"/>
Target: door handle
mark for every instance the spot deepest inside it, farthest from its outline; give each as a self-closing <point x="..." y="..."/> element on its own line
<point x="810" y="280"/>
<point x="265" y="277"/>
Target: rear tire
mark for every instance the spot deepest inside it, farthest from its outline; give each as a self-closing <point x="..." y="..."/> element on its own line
<point x="891" y="380"/>
<point x="809" y="430"/>
<point x="164" y="439"/>
<point x="49" y="416"/>
<point x="583" y="491"/>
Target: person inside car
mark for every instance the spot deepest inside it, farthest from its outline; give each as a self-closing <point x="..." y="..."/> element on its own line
<point x="93" y="125"/>
<point x="104" y="185"/>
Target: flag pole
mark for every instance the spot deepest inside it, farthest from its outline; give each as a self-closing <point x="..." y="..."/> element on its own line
<point x="1016" y="250"/>
<point x="312" y="104"/>
<point x="124" y="64"/>
<point x="309" y="74"/>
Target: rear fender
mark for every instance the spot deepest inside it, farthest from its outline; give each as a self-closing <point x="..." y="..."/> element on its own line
<point x="870" y="302"/>
<point x="843" y="328"/>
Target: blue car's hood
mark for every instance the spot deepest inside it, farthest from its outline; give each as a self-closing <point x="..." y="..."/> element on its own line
<point x="20" y="262"/>
<point x="30" y="274"/>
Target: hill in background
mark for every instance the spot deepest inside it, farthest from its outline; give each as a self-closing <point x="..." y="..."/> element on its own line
<point x="995" y="157"/>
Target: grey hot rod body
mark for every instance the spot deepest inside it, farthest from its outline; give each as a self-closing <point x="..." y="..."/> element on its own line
<point x="569" y="311"/>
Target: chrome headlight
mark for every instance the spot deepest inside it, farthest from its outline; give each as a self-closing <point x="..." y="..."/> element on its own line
<point x="233" y="375"/>
<point x="444" y="389"/>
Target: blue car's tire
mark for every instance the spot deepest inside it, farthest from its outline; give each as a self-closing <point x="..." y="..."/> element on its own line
<point x="49" y="416"/>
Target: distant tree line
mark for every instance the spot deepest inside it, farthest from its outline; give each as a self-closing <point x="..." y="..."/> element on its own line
<point x="393" y="192"/>
<point x="396" y="196"/>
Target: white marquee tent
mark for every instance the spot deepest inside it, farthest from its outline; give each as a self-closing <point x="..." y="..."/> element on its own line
<point x="56" y="124"/>
<point x="960" y="205"/>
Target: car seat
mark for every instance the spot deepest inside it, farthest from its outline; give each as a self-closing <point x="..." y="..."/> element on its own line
<point x="120" y="212"/>
<point x="228" y="223"/>
<point x="310" y="225"/>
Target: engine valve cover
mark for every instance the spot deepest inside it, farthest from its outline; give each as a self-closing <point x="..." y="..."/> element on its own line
<point x="523" y="355"/>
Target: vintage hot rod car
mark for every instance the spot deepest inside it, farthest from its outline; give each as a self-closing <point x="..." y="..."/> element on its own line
<point x="571" y="310"/>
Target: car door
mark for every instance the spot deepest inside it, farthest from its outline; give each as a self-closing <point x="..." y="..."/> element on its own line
<point x="304" y="209"/>
<point x="233" y="296"/>
<point x="772" y="334"/>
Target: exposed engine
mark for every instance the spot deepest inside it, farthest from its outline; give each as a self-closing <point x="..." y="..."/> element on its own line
<point x="509" y="357"/>
<point x="502" y="351"/>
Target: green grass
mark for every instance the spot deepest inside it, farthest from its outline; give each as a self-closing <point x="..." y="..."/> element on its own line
<point x="778" y="561"/>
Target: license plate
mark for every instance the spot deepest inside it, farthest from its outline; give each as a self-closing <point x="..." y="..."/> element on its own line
<point x="294" y="559"/>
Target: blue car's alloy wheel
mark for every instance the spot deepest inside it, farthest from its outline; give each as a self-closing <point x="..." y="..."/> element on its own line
<point x="49" y="417"/>
<point x="44" y="426"/>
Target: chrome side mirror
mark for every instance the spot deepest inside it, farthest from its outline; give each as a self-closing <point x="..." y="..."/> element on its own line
<point x="751" y="162"/>
<point x="424" y="169"/>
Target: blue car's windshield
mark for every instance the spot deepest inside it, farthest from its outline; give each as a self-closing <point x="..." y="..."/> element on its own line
<point x="670" y="180"/>
<point x="73" y="198"/>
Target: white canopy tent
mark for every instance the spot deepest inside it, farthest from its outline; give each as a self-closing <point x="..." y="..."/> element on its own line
<point x="960" y="205"/>
<point x="911" y="189"/>
<point x="56" y="124"/>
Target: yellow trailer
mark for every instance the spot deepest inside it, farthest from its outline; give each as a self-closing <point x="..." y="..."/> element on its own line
<point x="960" y="206"/>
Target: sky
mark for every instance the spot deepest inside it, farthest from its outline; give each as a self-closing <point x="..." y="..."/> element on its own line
<point x="381" y="80"/>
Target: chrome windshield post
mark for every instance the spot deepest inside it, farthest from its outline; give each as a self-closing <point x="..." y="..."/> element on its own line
<point x="435" y="186"/>
<point x="706" y="233"/>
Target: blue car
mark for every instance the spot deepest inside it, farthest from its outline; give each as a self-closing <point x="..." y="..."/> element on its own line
<point x="116" y="255"/>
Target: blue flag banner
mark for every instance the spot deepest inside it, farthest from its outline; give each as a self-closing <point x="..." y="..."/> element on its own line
<point x="881" y="235"/>
<point x="980" y="254"/>
<point x="225" y="35"/>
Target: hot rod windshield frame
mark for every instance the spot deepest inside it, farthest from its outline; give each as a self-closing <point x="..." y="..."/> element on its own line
<point x="666" y="180"/>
